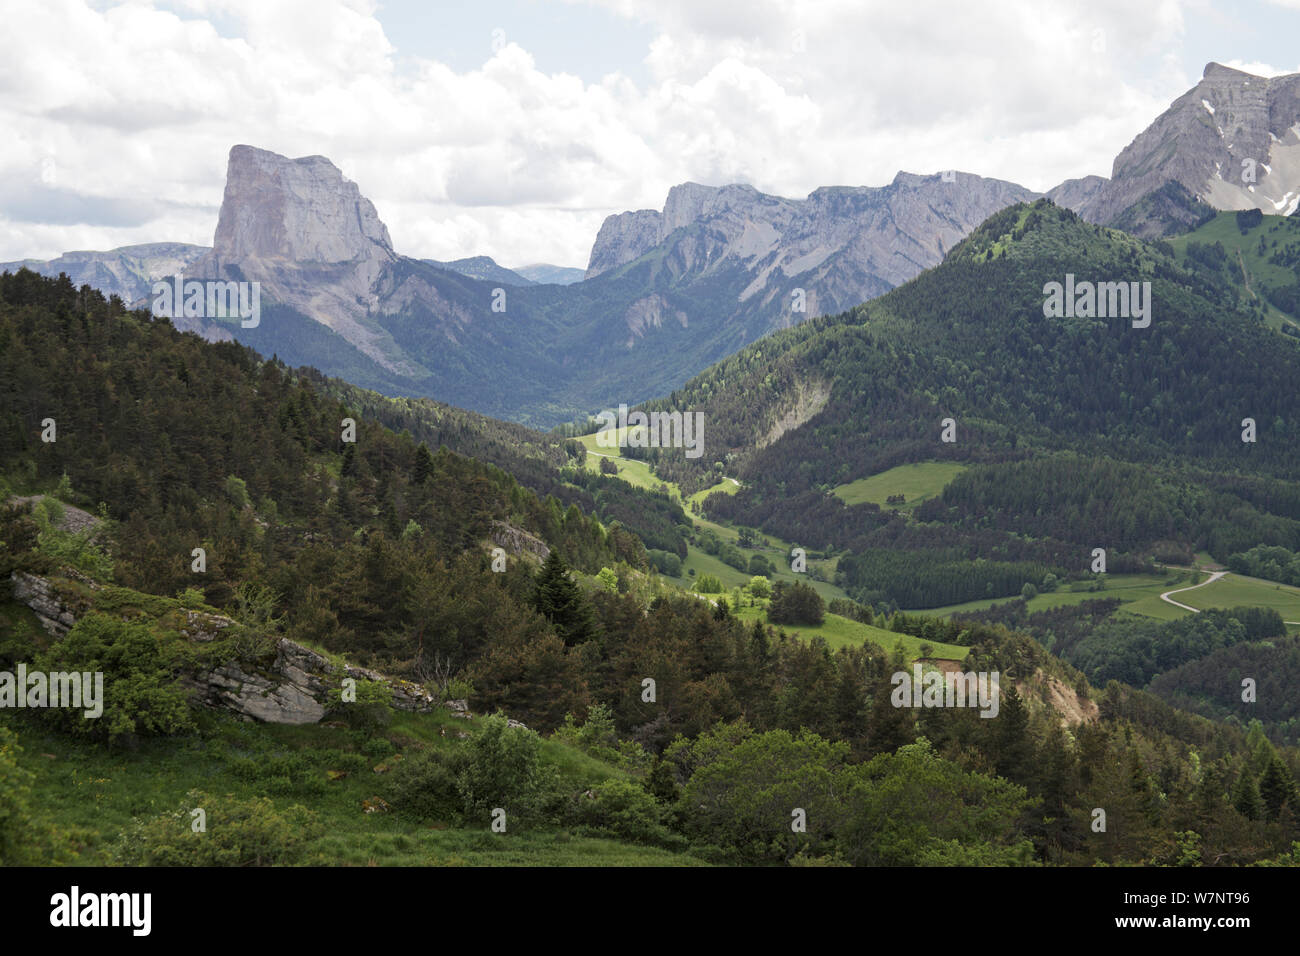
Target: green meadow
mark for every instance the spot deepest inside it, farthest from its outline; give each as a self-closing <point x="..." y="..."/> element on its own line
<point x="844" y="632"/>
<point x="917" y="482"/>
<point x="97" y="792"/>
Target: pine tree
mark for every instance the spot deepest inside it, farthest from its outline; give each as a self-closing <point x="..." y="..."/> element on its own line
<point x="558" y="598"/>
<point x="758" y="644"/>
<point x="423" y="465"/>
<point x="1276" y="788"/>
<point x="1014" y="748"/>
<point x="1245" y="796"/>
<point x="890" y="727"/>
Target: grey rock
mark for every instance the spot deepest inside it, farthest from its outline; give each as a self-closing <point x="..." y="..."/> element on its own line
<point x="622" y="238"/>
<point x="294" y="689"/>
<point x="518" y="541"/>
<point x="842" y="245"/>
<point x="127" y="272"/>
<point x="52" y="609"/>
<point x="1201" y="142"/>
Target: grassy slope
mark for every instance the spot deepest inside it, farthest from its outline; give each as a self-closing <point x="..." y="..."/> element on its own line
<point x="1260" y="273"/>
<point x="916" y="482"/>
<point x="1235" y="590"/>
<point x="776" y="551"/>
<point x="1132" y="589"/>
<point x="84" y="785"/>
<point x="841" y="632"/>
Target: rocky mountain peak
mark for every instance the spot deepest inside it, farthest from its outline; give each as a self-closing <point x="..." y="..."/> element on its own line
<point x="1232" y="142"/>
<point x="302" y="210"/>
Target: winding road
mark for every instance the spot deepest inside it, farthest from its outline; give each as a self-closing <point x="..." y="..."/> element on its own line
<point x="1214" y="576"/>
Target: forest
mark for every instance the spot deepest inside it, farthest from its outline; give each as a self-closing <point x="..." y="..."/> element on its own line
<point x="379" y="549"/>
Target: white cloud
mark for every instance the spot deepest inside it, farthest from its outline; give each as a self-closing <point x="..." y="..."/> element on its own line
<point x="134" y="104"/>
<point x="1261" y="69"/>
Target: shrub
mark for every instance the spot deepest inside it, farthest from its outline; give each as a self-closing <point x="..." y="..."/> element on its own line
<point x="796" y="603"/>
<point x="424" y="786"/>
<point x="239" y="832"/>
<point x="626" y="811"/>
<point x="708" y="584"/>
<point x="15" y="792"/>
<point x="141" y="694"/>
<point x="502" y="768"/>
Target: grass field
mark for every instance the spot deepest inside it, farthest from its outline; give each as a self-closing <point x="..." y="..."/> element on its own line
<point x="638" y="473"/>
<point x="916" y="482"/>
<point x="1236" y="590"/>
<point x="1132" y="589"/>
<point x="1244" y="251"/>
<point x="83" y="785"/>
<point x="843" y="632"/>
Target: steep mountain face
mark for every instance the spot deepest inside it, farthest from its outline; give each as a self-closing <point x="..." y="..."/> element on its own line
<point x="715" y="270"/>
<point x="1232" y="142"/>
<point x="127" y="272"/>
<point x="315" y="244"/>
<point x="622" y="238"/>
<point x="840" y="245"/>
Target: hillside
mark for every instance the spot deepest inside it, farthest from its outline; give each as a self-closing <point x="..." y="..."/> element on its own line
<point x="323" y="556"/>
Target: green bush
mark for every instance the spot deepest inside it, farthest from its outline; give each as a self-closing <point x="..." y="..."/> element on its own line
<point x="15" y="792"/>
<point x="239" y="832"/>
<point x="424" y="786"/>
<point x="378" y="748"/>
<point x="708" y="584"/>
<point x="503" y="768"/>
<point x="141" y="691"/>
<point x="626" y="811"/>
<point x="371" y="711"/>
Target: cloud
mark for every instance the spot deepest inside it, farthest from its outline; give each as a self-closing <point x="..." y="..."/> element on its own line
<point x="142" y="103"/>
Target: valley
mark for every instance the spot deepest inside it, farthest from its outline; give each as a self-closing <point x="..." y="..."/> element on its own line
<point x="424" y="561"/>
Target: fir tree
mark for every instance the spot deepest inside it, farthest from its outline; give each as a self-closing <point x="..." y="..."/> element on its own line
<point x="1276" y="788"/>
<point x="558" y="598"/>
<point x="1245" y="796"/>
<point x="423" y="465"/>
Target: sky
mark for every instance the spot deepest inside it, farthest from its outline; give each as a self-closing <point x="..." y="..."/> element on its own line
<point x="513" y="128"/>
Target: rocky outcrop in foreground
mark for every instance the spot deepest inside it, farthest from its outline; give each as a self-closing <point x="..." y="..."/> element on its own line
<point x="294" y="688"/>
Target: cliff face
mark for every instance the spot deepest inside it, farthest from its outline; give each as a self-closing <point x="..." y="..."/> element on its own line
<point x="310" y="239"/>
<point x="843" y="245"/>
<point x="622" y="238"/>
<point x="301" y="210"/>
<point x="1232" y="142"/>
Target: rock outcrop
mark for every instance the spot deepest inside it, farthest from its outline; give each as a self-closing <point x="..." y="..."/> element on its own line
<point x="313" y="242"/>
<point x="518" y="541"/>
<point x="297" y="210"/>
<point x="55" y="611"/>
<point x="127" y="272"/>
<point x="1232" y="142"/>
<point x="842" y="245"/>
<point x="294" y="688"/>
<point x="622" y="238"/>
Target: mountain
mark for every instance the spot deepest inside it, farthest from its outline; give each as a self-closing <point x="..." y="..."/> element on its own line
<point x="1230" y="142"/>
<point x="483" y="267"/>
<point x="731" y="268"/>
<point x="376" y="560"/>
<point x="1075" y="431"/>
<point x="841" y="245"/>
<point x="545" y="274"/>
<point x="127" y="272"/>
<point x="487" y="269"/>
